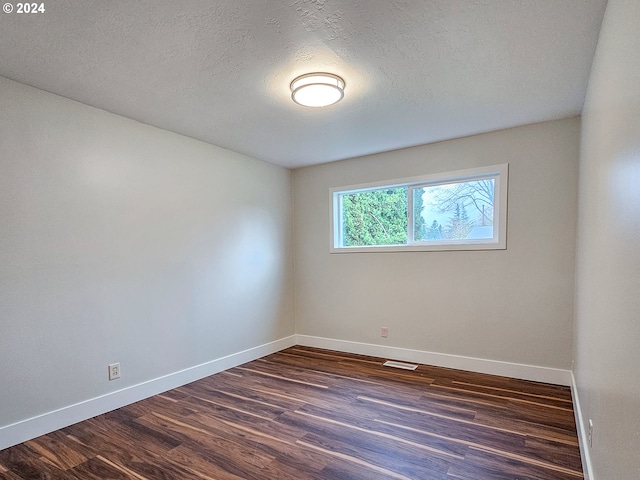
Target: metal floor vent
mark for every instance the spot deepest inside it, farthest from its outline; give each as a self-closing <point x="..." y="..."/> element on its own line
<point x="404" y="366"/>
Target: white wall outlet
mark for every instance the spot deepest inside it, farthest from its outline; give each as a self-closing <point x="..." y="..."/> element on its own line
<point x="590" y="433"/>
<point x="384" y="332"/>
<point x="114" y="371"/>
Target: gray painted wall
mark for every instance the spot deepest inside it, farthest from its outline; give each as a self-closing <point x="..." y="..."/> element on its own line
<point x="120" y="242"/>
<point x="513" y="305"/>
<point x="607" y="341"/>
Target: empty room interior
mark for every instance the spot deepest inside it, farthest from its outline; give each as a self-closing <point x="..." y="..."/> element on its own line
<point x="203" y="266"/>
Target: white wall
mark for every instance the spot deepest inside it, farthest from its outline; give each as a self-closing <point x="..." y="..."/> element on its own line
<point x="120" y="242"/>
<point x="607" y="342"/>
<point x="513" y="305"/>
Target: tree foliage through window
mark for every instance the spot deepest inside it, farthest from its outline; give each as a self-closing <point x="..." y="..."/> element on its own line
<point x="377" y="217"/>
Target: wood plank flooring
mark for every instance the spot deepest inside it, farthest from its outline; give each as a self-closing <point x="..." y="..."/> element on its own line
<point x="306" y="413"/>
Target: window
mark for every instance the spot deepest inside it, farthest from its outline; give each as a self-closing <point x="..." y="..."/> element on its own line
<point x="463" y="210"/>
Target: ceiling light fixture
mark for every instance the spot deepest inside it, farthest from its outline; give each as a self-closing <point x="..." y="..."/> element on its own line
<point x="317" y="89"/>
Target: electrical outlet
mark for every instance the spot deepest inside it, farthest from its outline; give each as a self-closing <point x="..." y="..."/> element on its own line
<point x="114" y="371"/>
<point x="590" y="433"/>
<point x="384" y="332"/>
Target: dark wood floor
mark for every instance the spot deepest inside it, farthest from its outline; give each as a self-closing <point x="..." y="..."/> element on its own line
<point x="305" y="413"/>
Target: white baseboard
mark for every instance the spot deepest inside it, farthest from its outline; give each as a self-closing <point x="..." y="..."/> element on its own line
<point x="42" y="424"/>
<point x="583" y="433"/>
<point x="506" y="369"/>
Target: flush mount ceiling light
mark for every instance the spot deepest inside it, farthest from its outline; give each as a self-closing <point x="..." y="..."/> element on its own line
<point x="317" y="89"/>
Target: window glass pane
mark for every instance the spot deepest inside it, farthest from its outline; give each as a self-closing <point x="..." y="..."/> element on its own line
<point x="374" y="217"/>
<point x="454" y="211"/>
<point x="461" y="210"/>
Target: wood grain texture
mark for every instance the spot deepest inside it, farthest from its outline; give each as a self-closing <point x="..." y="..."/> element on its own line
<point x="306" y="413"/>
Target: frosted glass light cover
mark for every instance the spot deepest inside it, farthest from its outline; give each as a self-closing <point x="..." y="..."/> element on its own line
<point x="317" y="89"/>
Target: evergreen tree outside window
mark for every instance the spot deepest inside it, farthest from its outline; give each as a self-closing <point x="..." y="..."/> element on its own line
<point x="375" y="217"/>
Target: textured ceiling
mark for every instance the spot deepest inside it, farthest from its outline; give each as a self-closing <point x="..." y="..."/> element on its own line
<point x="219" y="71"/>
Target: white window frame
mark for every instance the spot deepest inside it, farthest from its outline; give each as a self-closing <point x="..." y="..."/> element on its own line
<point x="499" y="241"/>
